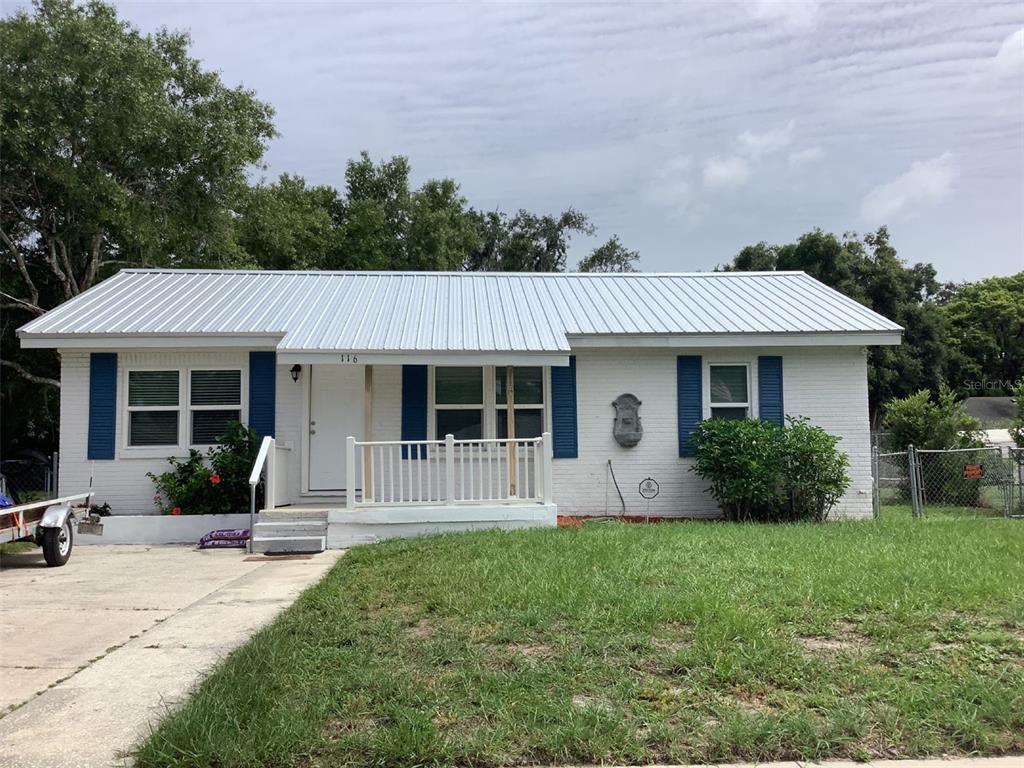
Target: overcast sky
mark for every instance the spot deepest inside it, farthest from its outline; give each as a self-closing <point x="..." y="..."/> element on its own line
<point x="688" y="129"/>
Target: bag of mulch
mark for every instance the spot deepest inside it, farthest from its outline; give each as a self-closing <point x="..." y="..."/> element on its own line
<point x="225" y="538"/>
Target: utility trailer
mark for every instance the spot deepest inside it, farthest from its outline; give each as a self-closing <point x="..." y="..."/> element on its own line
<point x="48" y="524"/>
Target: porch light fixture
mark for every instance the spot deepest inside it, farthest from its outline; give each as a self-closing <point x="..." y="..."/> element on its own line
<point x="296" y="370"/>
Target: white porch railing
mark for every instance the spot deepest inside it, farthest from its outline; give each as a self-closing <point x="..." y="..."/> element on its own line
<point x="448" y="472"/>
<point x="272" y="458"/>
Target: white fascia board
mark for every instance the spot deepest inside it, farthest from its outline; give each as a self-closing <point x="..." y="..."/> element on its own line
<point x="425" y="357"/>
<point x="147" y="341"/>
<point x="825" y="339"/>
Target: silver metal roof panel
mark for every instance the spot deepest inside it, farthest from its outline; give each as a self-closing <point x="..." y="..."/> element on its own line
<point x="450" y="311"/>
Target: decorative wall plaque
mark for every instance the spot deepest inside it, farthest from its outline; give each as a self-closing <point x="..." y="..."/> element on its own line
<point x="627" y="429"/>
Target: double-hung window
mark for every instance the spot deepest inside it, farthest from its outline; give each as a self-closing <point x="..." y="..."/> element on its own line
<point x="215" y="400"/>
<point x="154" y="406"/>
<point x="527" y="401"/>
<point x="730" y="391"/>
<point x="459" y="402"/>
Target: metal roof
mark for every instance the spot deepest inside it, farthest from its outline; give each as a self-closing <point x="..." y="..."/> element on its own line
<point x="449" y="311"/>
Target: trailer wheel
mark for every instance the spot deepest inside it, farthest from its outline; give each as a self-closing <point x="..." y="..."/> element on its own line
<point x="57" y="544"/>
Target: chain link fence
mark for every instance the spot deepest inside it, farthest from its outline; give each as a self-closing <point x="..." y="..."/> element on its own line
<point x="979" y="482"/>
<point x="29" y="478"/>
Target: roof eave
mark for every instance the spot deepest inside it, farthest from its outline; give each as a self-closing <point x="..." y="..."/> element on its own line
<point x="888" y="337"/>
<point x="146" y="340"/>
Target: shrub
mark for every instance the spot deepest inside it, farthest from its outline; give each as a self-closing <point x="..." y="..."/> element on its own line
<point x="1017" y="427"/>
<point x="760" y="471"/>
<point x="217" y="483"/>
<point x="920" y="421"/>
<point x="936" y="424"/>
<point x="815" y="470"/>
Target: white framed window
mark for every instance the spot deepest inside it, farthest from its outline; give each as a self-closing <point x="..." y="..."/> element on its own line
<point x="215" y="400"/>
<point x="154" y="408"/>
<point x="527" y="401"/>
<point x="180" y="407"/>
<point x="459" y="402"/>
<point x="729" y="390"/>
<point x="470" y="402"/>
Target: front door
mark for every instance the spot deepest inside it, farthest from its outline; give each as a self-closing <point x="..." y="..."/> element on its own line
<point x="336" y="395"/>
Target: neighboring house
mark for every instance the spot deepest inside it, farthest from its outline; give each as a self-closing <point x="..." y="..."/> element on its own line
<point x="996" y="416"/>
<point x="339" y="366"/>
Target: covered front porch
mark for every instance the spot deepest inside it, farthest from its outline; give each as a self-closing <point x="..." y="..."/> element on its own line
<point x="340" y="458"/>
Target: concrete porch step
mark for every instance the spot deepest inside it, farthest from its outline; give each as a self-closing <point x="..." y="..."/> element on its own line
<point x="291" y="528"/>
<point x="285" y="514"/>
<point x="279" y="545"/>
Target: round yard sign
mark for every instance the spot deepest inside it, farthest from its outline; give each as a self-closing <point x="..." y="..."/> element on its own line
<point x="649" y="488"/>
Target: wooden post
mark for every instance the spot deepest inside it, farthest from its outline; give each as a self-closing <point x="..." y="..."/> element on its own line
<point x="350" y="472"/>
<point x="510" y="401"/>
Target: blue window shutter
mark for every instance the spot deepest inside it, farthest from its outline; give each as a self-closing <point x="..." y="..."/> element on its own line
<point x="414" y="407"/>
<point x="563" y="411"/>
<point x="262" y="392"/>
<point x="689" y="400"/>
<point x="102" y="404"/>
<point x="769" y="389"/>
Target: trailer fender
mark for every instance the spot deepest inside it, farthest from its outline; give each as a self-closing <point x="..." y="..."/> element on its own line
<point x="55" y="516"/>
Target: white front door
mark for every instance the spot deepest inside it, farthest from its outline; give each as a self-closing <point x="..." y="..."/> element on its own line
<point x="336" y="395"/>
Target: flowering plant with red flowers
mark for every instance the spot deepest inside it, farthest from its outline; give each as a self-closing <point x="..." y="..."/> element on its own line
<point x="215" y="482"/>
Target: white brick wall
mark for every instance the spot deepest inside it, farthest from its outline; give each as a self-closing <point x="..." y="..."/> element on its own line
<point x="828" y="385"/>
<point x="121" y="482"/>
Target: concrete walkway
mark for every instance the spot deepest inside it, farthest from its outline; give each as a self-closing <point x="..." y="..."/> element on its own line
<point x="937" y="762"/>
<point x="94" y="653"/>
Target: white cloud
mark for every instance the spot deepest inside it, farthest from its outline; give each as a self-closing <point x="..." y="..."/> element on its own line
<point x="799" y="14"/>
<point x="672" y="188"/>
<point x="802" y="157"/>
<point x="772" y="140"/>
<point x="1009" y="59"/>
<point x="723" y="172"/>
<point x="927" y="183"/>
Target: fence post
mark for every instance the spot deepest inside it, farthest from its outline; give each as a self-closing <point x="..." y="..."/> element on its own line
<point x="350" y="472"/>
<point x="449" y="468"/>
<point x="55" y="474"/>
<point x="915" y="490"/>
<point x="876" y="491"/>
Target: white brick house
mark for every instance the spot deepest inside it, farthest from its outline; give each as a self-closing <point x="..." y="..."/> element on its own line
<point x="359" y="378"/>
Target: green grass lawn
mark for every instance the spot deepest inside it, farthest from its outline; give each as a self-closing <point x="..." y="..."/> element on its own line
<point x="686" y="642"/>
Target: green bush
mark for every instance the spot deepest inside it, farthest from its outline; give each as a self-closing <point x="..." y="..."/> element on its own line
<point x="815" y="470"/>
<point x="759" y="471"/>
<point x="920" y="421"/>
<point x="217" y="483"/>
<point x="1017" y="427"/>
<point x="940" y="424"/>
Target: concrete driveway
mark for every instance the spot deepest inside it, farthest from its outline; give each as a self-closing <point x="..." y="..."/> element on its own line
<point x="95" y="652"/>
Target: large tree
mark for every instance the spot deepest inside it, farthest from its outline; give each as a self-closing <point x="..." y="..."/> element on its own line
<point x="526" y="242"/>
<point x="612" y="256"/>
<point x="289" y="224"/>
<point x="986" y="334"/>
<point x="118" y="148"/>
<point x="869" y="270"/>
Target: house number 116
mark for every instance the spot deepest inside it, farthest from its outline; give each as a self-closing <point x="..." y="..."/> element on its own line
<point x="350" y="358"/>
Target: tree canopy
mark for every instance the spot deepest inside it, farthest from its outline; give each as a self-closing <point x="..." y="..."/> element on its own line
<point x="118" y="148"/>
<point x="868" y="269"/>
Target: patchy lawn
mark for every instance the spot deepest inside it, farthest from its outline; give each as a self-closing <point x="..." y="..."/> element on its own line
<point x="689" y="642"/>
